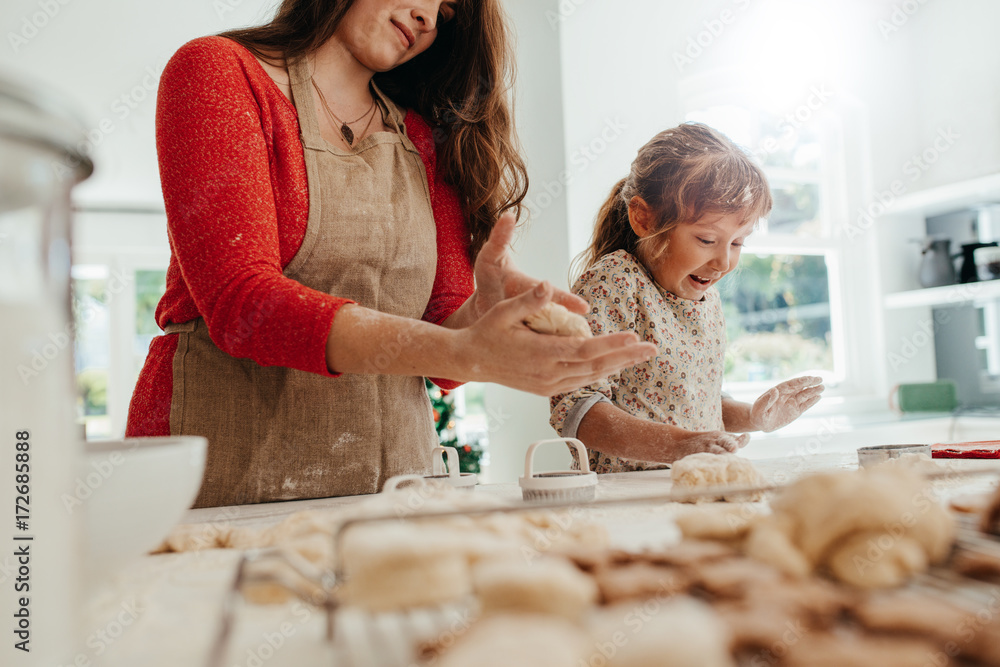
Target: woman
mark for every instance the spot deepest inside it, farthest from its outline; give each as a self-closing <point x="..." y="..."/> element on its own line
<point x="323" y="240"/>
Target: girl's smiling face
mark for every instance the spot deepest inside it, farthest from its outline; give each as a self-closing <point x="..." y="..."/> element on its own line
<point x="697" y="254"/>
<point x="382" y="34"/>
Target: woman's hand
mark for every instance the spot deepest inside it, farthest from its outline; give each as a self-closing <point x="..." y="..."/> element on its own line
<point x="497" y="278"/>
<point x="782" y="404"/>
<point x="498" y="347"/>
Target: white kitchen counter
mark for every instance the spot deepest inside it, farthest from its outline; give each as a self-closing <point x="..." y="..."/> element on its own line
<point x="164" y="609"/>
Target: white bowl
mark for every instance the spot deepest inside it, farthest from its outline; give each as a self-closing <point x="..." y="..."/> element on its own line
<point x="132" y="493"/>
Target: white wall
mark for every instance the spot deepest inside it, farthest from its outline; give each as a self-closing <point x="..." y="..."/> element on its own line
<point x="107" y="56"/>
<point x="542" y="248"/>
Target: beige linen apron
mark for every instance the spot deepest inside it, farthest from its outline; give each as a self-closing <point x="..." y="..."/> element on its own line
<point x="278" y="433"/>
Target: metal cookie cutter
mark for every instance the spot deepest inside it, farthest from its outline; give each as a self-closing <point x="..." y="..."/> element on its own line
<point x="870" y="456"/>
<point x="558" y="485"/>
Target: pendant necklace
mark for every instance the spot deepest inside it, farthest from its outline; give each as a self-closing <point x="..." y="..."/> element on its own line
<point x="345" y="127"/>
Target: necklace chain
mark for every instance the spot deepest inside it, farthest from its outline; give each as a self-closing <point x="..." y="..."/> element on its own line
<point x="345" y="127"/>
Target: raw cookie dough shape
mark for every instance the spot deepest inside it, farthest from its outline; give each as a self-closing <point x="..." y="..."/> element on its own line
<point x="402" y="565"/>
<point x="702" y="470"/>
<point x="556" y="319"/>
<point x="682" y="632"/>
<point x="546" y="585"/>
<point x="524" y="640"/>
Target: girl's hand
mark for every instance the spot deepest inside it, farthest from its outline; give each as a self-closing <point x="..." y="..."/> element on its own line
<point x="497" y="278"/>
<point x="784" y="403"/>
<point x="713" y="442"/>
<point x="499" y="348"/>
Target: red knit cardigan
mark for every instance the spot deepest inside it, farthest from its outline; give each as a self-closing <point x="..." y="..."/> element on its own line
<point x="234" y="184"/>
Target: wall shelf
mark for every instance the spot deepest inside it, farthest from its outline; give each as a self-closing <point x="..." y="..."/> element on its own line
<point x="947" y="295"/>
<point x="950" y="197"/>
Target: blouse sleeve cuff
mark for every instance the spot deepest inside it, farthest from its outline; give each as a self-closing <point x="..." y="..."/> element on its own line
<point x="577" y="412"/>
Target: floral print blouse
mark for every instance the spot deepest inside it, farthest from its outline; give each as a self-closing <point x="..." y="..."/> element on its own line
<point x="681" y="385"/>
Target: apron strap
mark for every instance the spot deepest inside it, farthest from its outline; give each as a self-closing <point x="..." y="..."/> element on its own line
<point x="181" y="327"/>
<point x="302" y="98"/>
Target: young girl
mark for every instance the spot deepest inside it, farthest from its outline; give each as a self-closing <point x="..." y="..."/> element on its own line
<point x="666" y="235"/>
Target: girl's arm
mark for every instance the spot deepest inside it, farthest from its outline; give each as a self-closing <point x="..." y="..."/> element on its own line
<point x="736" y="416"/>
<point x="614" y="432"/>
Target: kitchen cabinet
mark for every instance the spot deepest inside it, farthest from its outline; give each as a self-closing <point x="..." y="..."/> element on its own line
<point x="929" y="333"/>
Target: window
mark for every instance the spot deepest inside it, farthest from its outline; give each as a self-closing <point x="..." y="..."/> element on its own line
<point x="111" y="346"/>
<point x="92" y="321"/>
<point x="119" y="274"/>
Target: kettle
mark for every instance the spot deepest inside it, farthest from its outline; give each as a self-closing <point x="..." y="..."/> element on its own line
<point x="969" y="274"/>
<point x="936" y="267"/>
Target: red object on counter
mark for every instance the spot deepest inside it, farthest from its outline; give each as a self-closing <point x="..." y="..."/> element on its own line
<point x="979" y="449"/>
<point x="237" y="202"/>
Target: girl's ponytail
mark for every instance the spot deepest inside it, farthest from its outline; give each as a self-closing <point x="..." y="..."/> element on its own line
<point x="612" y="230"/>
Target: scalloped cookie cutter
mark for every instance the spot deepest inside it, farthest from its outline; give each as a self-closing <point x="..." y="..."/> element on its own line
<point x="558" y="485"/>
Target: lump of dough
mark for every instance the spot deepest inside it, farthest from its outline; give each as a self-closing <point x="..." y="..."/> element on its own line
<point x="682" y="632"/>
<point x="826" y="507"/>
<point x="871" y="528"/>
<point x="863" y="561"/>
<point x="556" y="319"/>
<point x="769" y="541"/>
<point x="702" y="470"/>
<point x="547" y="585"/>
<point x="524" y="640"/>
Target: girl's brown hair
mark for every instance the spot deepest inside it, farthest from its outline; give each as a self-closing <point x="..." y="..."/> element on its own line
<point x="682" y="174"/>
<point x="461" y="85"/>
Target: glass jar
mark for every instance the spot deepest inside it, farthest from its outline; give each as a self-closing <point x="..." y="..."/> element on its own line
<point x="41" y="160"/>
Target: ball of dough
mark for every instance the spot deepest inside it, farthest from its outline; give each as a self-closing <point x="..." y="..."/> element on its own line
<point x="556" y="319"/>
<point x="547" y="585"/>
<point x="706" y="470"/>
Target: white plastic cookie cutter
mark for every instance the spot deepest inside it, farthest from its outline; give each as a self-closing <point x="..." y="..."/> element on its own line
<point x="460" y="480"/>
<point x="558" y="485"/>
<point x="453" y="475"/>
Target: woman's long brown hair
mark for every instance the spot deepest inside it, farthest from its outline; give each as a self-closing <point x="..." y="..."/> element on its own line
<point x="682" y="174"/>
<point x="461" y="86"/>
